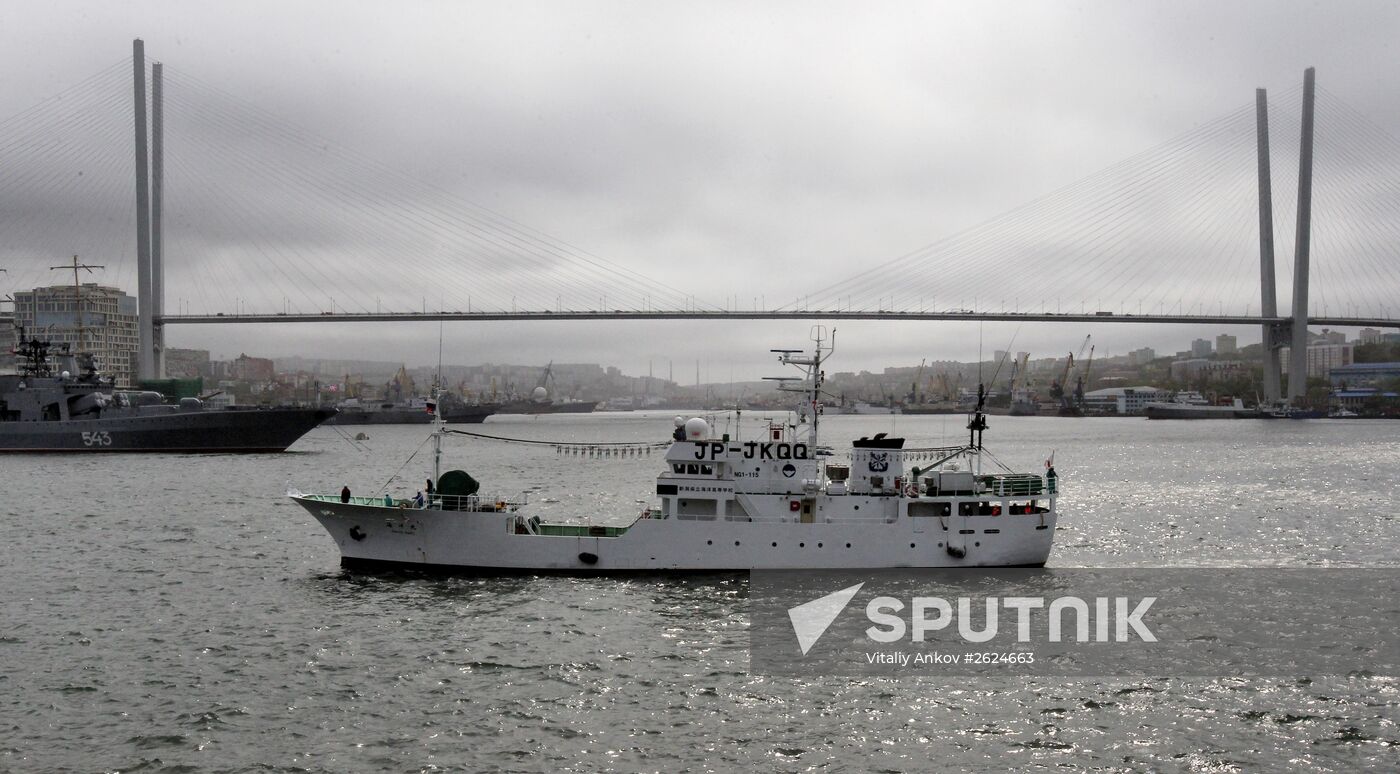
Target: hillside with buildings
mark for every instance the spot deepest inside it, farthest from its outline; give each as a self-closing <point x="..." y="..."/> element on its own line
<point x="1361" y="373"/>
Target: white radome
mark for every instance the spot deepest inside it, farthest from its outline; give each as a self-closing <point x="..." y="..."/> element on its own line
<point x="696" y="429"/>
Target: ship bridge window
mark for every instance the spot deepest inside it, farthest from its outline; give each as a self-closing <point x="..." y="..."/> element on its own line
<point x="692" y="469"/>
<point x="707" y="470"/>
<point x="678" y="467"/>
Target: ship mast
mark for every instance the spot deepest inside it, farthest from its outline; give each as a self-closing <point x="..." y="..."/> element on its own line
<point x="78" y="294"/>
<point x="439" y="429"/>
<point x="817" y="376"/>
<point x="812" y="385"/>
<point x="976" y="425"/>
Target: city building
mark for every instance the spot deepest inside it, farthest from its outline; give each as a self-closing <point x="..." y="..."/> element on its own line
<point x="187" y="363"/>
<point x="1123" y="400"/>
<point x="1322" y="358"/>
<point x="1370" y="336"/>
<point x="1358" y="375"/>
<point x="1225" y="344"/>
<point x="91" y="318"/>
<point x="1141" y="357"/>
<point x="252" y="369"/>
<point x="8" y="340"/>
<point x="1200" y="348"/>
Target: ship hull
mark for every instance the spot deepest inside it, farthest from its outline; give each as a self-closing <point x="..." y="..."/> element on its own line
<point x="530" y="407"/>
<point x="430" y="539"/>
<point x="203" y="431"/>
<point x="1161" y="411"/>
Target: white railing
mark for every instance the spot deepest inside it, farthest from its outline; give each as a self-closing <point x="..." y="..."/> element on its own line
<point x="475" y="503"/>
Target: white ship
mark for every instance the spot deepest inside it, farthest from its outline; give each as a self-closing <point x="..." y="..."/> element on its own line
<point x="726" y="504"/>
<point x="1193" y="405"/>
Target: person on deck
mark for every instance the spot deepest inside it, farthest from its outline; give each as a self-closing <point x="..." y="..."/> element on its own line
<point x="345" y="494"/>
<point x="418" y="499"/>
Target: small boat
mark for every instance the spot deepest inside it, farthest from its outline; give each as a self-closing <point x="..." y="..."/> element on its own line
<point x="1285" y="410"/>
<point x="776" y="501"/>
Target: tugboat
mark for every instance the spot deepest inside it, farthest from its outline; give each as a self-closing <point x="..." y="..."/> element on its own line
<point x="725" y="504"/>
<point x="48" y="409"/>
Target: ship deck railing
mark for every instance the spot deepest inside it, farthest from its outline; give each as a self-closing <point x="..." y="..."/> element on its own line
<point x="998" y="485"/>
<point x="477" y="503"/>
<point x="1018" y="484"/>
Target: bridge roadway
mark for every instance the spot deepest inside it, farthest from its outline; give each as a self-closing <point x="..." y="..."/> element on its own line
<point x="805" y="314"/>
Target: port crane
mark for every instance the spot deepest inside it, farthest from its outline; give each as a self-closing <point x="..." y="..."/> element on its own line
<point x="914" y="396"/>
<point x="1070" y="403"/>
<point x="1082" y="379"/>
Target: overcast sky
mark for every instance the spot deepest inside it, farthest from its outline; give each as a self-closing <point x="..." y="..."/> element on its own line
<point x="739" y="149"/>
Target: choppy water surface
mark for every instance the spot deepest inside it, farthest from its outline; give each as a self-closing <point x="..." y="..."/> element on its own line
<point x="170" y="613"/>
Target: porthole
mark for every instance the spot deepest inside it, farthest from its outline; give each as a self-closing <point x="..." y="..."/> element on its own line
<point x="736" y="542"/>
<point x="709" y="542"/>
<point x="819" y="545"/>
<point x="775" y="545"/>
<point x="848" y="545"/>
<point x="911" y="545"/>
<point x="801" y="545"/>
<point x="977" y="543"/>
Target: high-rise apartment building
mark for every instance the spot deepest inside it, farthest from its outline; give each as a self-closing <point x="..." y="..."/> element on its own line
<point x="90" y="318"/>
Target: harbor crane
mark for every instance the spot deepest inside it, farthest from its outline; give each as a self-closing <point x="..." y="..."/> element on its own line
<point x="914" y="396"/>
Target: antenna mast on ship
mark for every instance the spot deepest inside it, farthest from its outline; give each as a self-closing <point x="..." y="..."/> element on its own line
<point x="439" y="422"/>
<point x="78" y="293"/>
<point x="812" y="386"/>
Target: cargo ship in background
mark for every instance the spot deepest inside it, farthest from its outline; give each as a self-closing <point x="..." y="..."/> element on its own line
<point x="1192" y="405"/>
<point x="70" y="407"/>
<point x="415" y="411"/>
<point x="540" y="401"/>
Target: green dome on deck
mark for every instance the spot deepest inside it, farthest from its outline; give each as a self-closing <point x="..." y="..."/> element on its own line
<point x="457" y="483"/>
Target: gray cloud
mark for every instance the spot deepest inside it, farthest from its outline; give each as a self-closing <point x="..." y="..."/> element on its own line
<point x="728" y="150"/>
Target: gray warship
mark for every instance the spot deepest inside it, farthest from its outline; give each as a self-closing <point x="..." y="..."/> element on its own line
<point x="72" y="408"/>
<point x="415" y="411"/>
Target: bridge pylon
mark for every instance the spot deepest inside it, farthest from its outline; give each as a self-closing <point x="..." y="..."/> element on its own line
<point x="1268" y="306"/>
<point x="145" y="352"/>
<point x="1298" y="348"/>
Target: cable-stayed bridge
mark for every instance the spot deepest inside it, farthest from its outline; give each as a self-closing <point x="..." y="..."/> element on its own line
<point x="243" y="217"/>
